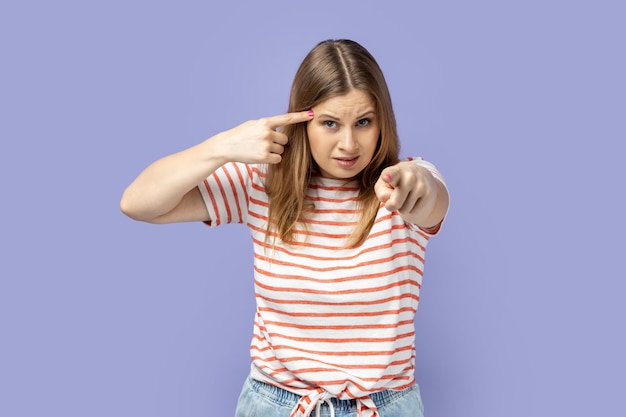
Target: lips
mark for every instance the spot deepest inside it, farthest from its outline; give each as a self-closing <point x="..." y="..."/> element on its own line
<point x="347" y="161"/>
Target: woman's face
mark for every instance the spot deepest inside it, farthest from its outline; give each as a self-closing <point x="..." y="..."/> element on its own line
<point x="343" y="134"/>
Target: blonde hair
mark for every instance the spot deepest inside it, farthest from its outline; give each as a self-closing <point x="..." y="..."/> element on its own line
<point x="332" y="68"/>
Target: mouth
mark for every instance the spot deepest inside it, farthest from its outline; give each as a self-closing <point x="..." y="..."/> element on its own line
<point x="347" y="162"/>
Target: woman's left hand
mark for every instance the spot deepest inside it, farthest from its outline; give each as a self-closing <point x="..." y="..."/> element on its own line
<point x="412" y="191"/>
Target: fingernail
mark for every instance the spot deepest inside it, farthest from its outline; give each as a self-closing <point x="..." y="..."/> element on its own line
<point x="387" y="176"/>
<point x="311" y="113"/>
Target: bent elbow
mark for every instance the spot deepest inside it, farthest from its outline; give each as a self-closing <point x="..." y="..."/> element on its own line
<point x="131" y="210"/>
<point x="127" y="209"/>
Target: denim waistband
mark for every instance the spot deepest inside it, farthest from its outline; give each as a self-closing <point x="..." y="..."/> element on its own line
<point x="283" y="397"/>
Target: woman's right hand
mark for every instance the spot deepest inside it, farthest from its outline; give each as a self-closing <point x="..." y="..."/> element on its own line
<point x="258" y="141"/>
<point x="166" y="191"/>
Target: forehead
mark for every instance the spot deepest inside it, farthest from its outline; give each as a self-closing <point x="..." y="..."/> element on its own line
<point x="355" y="102"/>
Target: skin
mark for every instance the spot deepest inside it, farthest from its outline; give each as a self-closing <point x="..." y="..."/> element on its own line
<point x="415" y="193"/>
<point x="342" y="134"/>
<point x="343" y="137"/>
<point x="166" y="191"/>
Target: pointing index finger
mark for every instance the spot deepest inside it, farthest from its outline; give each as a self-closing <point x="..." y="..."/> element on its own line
<point x="290" y="118"/>
<point x="390" y="176"/>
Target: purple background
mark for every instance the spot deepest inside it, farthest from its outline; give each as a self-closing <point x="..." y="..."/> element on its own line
<point x="520" y="104"/>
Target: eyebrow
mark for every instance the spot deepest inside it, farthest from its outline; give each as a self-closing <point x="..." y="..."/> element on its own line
<point x="326" y="115"/>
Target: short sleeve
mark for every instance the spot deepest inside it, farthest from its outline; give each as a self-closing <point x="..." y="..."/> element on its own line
<point x="225" y="194"/>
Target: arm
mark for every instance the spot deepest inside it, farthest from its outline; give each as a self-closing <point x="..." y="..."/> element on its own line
<point x="166" y="191"/>
<point x="420" y="197"/>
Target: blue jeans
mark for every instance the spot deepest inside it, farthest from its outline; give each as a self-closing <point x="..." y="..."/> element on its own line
<point x="259" y="399"/>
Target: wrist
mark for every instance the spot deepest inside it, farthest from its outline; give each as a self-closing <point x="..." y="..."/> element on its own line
<point x="215" y="150"/>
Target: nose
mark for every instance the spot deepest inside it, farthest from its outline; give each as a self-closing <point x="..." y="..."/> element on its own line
<point x="348" y="142"/>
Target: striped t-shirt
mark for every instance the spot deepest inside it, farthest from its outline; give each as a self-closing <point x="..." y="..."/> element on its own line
<point x="330" y="321"/>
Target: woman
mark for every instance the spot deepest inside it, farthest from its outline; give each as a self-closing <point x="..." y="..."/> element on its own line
<point x="339" y="228"/>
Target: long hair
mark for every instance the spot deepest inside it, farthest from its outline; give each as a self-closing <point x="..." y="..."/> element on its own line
<point x="332" y="68"/>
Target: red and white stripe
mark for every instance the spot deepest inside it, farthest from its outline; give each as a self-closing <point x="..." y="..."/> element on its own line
<point x="330" y="321"/>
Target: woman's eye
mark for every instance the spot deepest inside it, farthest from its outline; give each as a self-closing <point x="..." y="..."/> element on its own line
<point x="363" y="122"/>
<point x="330" y="124"/>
